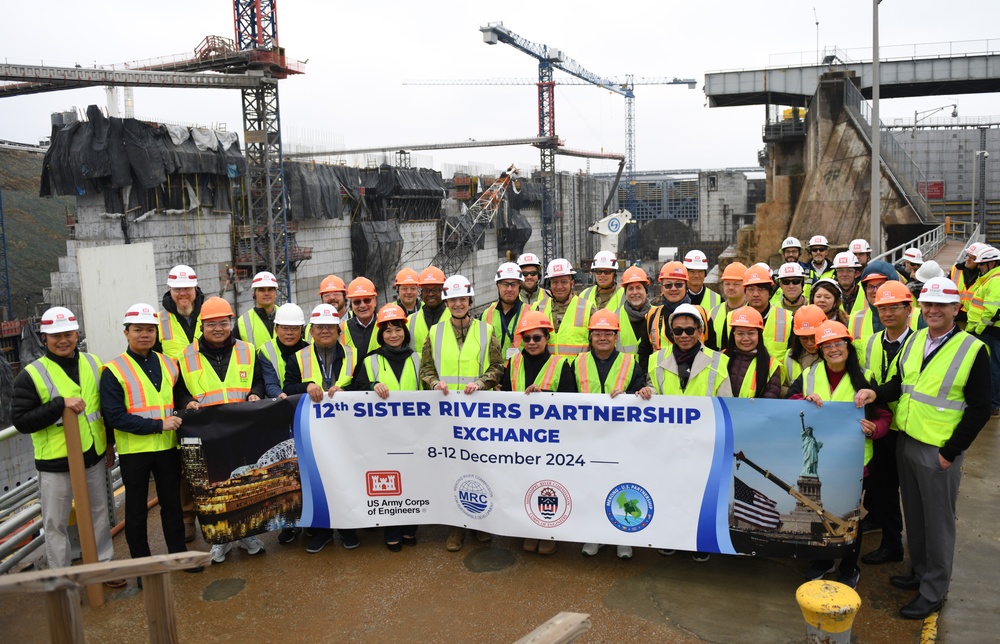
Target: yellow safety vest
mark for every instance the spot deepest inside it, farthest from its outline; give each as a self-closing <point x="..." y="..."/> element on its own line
<point x="571" y="338"/>
<point x="790" y="369"/>
<point x="814" y="381"/>
<point x="509" y="344"/>
<point x="310" y="369"/>
<point x="547" y="379"/>
<point x="204" y="384"/>
<point x="933" y="399"/>
<point x="379" y="370"/>
<point x="627" y="340"/>
<point x="458" y="366"/>
<point x="590" y="294"/>
<point x="417" y="324"/>
<point x="749" y="387"/>
<point x="252" y="329"/>
<point x="173" y="340"/>
<point x="710" y="300"/>
<point x="272" y="353"/>
<point x="144" y="400"/>
<point x="588" y="381"/>
<point x="705" y="383"/>
<point x="52" y="382"/>
<point x="777" y="327"/>
<point x="964" y="290"/>
<point x="984" y="309"/>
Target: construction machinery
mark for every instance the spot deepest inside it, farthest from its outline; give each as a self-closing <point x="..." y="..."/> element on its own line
<point x="609" y="228"/>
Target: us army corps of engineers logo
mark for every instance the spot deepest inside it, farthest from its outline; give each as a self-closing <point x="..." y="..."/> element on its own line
<point x="629" y="507"/>
<point x="548" y="503"/>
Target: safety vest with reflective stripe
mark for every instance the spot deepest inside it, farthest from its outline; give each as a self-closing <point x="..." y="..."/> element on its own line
<point x="658" y="333"/>
<point x="547" y="378"/>
<point x="203" y="383"/>
<point x="720" y="323"/>
<point x="814" y="381"/>
<point x="146" y="401"/>
<point x="571" y="338"/>
<point x="252" y="329"/>
<point x="458" y="366"/>
<point x="348" y="341"/>
<point x="627" y="340"/>
<point x="309" y="367"/>
<point x="749" y="387"/>
<point x="417" y="324"/>
<point x="379" y="370"/>
<point x="790" y="369"/>
<point x="872" y="357"/>
<point x="933" y="399"/>
<point x="590" y="294"/>
<point x="777" y="327"/>
<point x="984" y="310"/>
<point x="173" y="339"/>
<point x="495" y="321"/>
<point x="964" y="290"/>
<point x="52" y="382"/>
<point x="710" y="300"/>
<point x="704" y="383"/>
<point x="588" y="380"/>
<point x="535" y="301"/>
<point x="273" y="355"/>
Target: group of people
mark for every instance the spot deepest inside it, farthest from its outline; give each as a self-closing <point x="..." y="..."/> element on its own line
<point x="849" y="330"/>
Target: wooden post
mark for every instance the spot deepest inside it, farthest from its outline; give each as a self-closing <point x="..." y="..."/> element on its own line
<point x="65" y="621"/>
<point x="160" y="618"/>
<point x="81" y="497"/>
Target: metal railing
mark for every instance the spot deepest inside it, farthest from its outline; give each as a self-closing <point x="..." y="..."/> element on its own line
<point x="929" y="244"/>
<point x="906" y="174"/>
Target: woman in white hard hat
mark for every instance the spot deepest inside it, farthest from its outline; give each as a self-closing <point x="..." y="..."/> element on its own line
<point x="826" y="294"/>
<point x="289" y="322"/>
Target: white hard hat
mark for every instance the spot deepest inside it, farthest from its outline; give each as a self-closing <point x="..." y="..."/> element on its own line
<point x="791" y="242"/>
<point x="913" y="255"/>
<point x="264" y="279"/>
<point x="846" y="259"/>
<point x="973" y="248"/>
<point x="141" y="314"/>
<point x="928" y="271"/>
<point x="689" y="310"/>
<point x="939" y="289"/>
<point x="59" y="319"/>
<point x="818" y="240"/>
<point x="457" y="286"/>
<point x="605" y="259"/>
<point x="289" y="315"/>
<point x="859" y="246"/>
<point x="182" y="276"/>
<point x="529" y="259"/>
<point x="324" y="314"/>
<point x="559" y="267"/>
<point x="987" y="254"/>
<point x="791" y="269"/>
<point x="696" y="260"/>
<point x="509" y="271"/>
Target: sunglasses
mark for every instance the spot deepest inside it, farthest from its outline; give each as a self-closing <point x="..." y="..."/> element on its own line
<point x="791" y="281"/>
<point x="533" y="338"/>
<point x="669" y="285"/>
<point x="817" y="249"/>
<point x="362" y="300"/>
<point x="684" y="330"/>
<point x="529" y="273"/>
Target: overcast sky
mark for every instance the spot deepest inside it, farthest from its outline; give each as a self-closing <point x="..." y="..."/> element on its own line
<point x="360" y="53"/>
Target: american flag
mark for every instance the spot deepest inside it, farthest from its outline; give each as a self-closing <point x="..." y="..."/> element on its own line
<point x="755" y="508"/>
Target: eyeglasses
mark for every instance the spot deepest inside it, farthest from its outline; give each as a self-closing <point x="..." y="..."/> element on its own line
<point x="529" y="273"/>
<point x="792" y="281"/>
<point x="817" y="249"/>
<point x="674" y="285"/>
<point x="746" y="333"/>
<point x="221" y="324"/>
<point x="509" y="284"/>
<point x="895" y="308"/>
<point x="533" y="338"/>
<point x="684" y="330"/>
<point x="602" y="334"/>
<point x="362" y="300"/>
<point x="834" y="344"/>
<point x="603" y="271"/>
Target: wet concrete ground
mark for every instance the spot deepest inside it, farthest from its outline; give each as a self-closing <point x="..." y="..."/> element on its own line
<point x="498" y="593"/>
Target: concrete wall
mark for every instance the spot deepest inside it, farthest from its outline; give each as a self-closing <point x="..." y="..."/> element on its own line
<point x="722" y="200"/>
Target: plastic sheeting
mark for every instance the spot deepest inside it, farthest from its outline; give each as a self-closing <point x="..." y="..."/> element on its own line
<point x="406" y="194"/>
<point x="514" y="234"/>
<point x="31" y="346"/>
<point x="316" y="191"/>
<point x="376" y="247"/>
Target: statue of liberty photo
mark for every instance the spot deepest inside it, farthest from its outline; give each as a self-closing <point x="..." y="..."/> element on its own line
<point x="810" y="450"/>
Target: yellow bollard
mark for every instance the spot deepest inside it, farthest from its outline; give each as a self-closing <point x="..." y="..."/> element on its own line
<point x="829" y="609"/>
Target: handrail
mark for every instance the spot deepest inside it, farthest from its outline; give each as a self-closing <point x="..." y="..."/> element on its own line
<point x="929" y="243"/>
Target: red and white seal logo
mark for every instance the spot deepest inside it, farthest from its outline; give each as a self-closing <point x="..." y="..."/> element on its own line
<point x="548" y="503"/>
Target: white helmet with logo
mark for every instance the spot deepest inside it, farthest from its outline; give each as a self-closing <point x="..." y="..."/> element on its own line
<point x="559" y="267"/>
<point x="941" y="290"/>
<point x="264" y="279"/>
<point x="289" y="315"/>
<point x="791" y="242"/>
<point x="141" y="314"/>
<point x="696" y="260"/>
<point x="689" y="310"/>
<point x="509" y="271"/>
<point x="791" y="269"/>
<point x="819" y="240"/>
<point x="324" y="314"/>
<point x="859" y="246"/>
<point x="182" y="276"/>
<point x="529" y="259"/>
<point x="58" y="319"/>
<point x="457" y="286"/>
<point x="846" y="259"/>
<point x="987" y="254"/>
<point x="605" y="259"/>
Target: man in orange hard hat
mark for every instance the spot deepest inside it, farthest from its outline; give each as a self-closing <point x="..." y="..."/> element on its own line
<point x="408" y="290"/>
<point x="359" y="330"/>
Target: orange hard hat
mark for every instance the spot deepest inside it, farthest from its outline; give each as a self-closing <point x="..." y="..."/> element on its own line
<point x="390" y="312"/>
<point x="216" y="307"/>
<point x="332" y="284"/>
<point x="734" y="272"/>
<point x="634" y="274"/>
<point x="361" y="287"/>
<point x="830" y="331"/>
<point x="673" y="271"/>
<point x="604" y="320"/>
<point x="807" y="319"/>
<point x="747" y="317"/>
<point x="757" y="274"/>
<point x="534" y="320"/>
<point x="407" y="276"/>
<point x="431" y="276"/>
<point x="892" y="292"/>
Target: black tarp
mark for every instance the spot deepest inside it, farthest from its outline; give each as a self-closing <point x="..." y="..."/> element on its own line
<point x="316" y="191"/>
<point x="513" y="233"/>
<point x="406" y="194"/>
<point x="376" y="247"/>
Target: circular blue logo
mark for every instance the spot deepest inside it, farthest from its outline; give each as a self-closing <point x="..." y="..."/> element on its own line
<point x="474" y="496"/>
<point x="614" y="225"/>
<point x="629" y="507"/>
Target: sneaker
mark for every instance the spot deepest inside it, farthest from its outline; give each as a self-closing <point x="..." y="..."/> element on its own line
<point x="253" y="545"/>
<point x="350" y="539"/>
<point x="624" y="552"/>
<point x="701" y="557"/>
<point x="455" y="539"/>
<point x="818" y="570"/>
<point x="288" y="535"/>
<point x="590" y="549"/>
<point x="219" y="552"/>
<point x="666" y="553"/>
<point x="850" y="579"/>
<point x="319" y="540"/>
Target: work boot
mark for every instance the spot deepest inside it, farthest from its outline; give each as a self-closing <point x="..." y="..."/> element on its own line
<point x="530" y="545"/>
<point x="455" y="539"/>
<point x="547" y="547"/>
<point x="483" y="537"/>
<point x="190" y="532"/>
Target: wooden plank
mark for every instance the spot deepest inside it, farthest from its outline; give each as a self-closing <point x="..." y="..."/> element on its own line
<point x="65" y="621"/>
<point x="81" y="499"/>
<point x="40" y="581"/>
<point x="160" y="618"/>
<point x="564" y="627"/>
